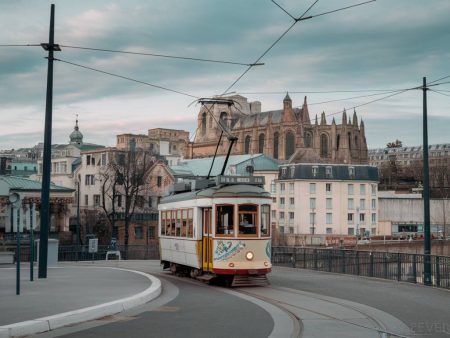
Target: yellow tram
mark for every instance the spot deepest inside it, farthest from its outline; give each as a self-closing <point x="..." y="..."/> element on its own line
<point x="218" y="228"/>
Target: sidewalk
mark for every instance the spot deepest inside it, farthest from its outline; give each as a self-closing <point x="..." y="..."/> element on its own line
<point x="69" y="294"/>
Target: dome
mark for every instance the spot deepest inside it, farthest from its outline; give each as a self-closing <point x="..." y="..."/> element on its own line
<point x="76" y="137"/>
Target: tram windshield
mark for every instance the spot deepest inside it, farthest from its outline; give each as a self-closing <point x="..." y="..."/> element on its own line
<point x="247" y="219"/>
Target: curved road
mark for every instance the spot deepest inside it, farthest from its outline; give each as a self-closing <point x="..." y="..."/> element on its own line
<point x="188" y="308"/>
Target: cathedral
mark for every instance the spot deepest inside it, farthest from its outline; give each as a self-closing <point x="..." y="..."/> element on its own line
<point x="287" y="135"/>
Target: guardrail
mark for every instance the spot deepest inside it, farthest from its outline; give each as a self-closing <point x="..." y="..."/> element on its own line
<point x="387" y="265"/>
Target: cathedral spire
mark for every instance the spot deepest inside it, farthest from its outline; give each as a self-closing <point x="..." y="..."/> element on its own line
<point x="305" y="113"/>
<point x="344" y="117"/>
<point x="333" y="122"/>
<point x="323" y="119"/>
<point x="317" y="122"/>
<point x="355" y="118"/>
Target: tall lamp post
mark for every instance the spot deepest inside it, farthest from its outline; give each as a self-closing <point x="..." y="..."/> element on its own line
<point x="14" y="199"/>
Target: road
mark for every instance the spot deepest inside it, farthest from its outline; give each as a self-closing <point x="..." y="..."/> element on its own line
<point x="329" y="305"/>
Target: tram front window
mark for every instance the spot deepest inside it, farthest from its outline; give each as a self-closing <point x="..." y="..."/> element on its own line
<point x="247" y="219"/>
<point x="224" y="223"/>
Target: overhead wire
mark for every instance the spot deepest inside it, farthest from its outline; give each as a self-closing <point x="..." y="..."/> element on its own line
<point x="158" y="55"/>
<point x="301" y="18"/>
<point x="127" y="78"/>
<point x="439" y="92"/>
<point x="23" y="45"/>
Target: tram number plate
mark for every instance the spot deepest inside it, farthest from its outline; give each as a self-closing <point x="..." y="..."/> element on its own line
<point x="252" y="272"/>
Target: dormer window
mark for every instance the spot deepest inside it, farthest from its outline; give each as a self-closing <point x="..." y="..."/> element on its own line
<point x="328" y="171"/>
<point x="292" y="171"/>
<point x="315" y="170"/>
<point x="351" y="172"/>
<point x="283" y="171"/>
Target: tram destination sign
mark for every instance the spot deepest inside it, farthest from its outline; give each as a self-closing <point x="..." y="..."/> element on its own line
<point x="252" y="180"/>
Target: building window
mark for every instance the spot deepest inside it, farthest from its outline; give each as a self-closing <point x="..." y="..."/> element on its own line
<point x="86" y="200"/>
<point x="312" y="188"/>
<point x="350" y="189"/>
<point x="151" y="232"/>
<point x="289" y="145"/>
<point x="362" y="204"/>
<point x="138" y="234"/>
<point x="291" y="230"/>
<point x="291" y="201"/>
<point x="374" y="218"/>
<point x="276" y="137"/>
<point x="261" y="143"/>
<point x="374" y="189"/>
<point x="351" y="231"/>
<point x="291" y="217"/>
<point x="362" y="218"/>
<point x="203" y="123"/>
<point x="247" y="142"/>
<point x="329" y="172"/>
<point x="282" y="229"/>
<point x="282" y="187"/>
<point x="273" y="187"/>
<point x="274" y="214"/>
<point x="159" y="181"/>
<point x="374" y="204"/>
<point x="350" y="204"/>
<point x="308" y="140"/>
<point x="274" y="200"/>
<point x="349" y="218"/>
<point x="373" y="231"/>
<point x="362" y="189"/>
<point x="96" y="200"/>
<point x="329" y="217"/>
<point x="312" y="218"/>
<point x="351" y="172"/>
<point x="282" y="215"/>
<point x="88" y="159"/>
<point x="329" y="203"/>
<point x="119" y="201"/>
<point x="323" y="145"/>
<point x="315" y="170"/>
<point x="312" y="203"/>
<point x="328" y="188"/>
<point x="329" y="230"/>
<point x="291" y="187"/>
<point x="282" y="202"/>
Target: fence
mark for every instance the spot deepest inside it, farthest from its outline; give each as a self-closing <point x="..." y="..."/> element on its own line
<point x="394" y="266"/>
<point x="74" y="253"/>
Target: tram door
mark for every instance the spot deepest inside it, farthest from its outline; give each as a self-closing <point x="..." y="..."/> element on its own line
<point x="207" y="240"/>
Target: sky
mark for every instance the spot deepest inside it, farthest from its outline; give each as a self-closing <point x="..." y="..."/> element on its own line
<point x="382" y="45"/>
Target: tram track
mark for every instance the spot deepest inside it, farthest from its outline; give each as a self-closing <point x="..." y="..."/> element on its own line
<point x="379" y="328"/>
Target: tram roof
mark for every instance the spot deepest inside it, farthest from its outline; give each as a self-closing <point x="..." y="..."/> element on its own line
<point x="236" y="190"/>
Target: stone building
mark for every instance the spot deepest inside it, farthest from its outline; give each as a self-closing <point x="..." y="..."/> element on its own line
<point x="287" y="134"/>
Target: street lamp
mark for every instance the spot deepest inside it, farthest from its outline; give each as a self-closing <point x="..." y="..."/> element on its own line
<point x="14" y="199"/>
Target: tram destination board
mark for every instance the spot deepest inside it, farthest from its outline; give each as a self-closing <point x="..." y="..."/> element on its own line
<point x="252" y="180"/>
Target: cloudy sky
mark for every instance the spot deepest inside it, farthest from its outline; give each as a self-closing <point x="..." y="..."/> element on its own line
<point x="384" y="45"/>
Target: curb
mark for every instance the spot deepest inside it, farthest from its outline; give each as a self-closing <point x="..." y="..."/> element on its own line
<point x="48" y="323"/>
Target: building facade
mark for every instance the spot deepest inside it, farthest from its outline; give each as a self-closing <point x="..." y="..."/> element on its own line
<point x="326" y="199"/>
<point x="288" y="134"/>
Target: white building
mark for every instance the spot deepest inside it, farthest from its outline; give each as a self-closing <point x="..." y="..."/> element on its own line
<point x="328" y="199"/>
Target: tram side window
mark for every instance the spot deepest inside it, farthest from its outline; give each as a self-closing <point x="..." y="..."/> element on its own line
<point x="224" y="223"/>
<point x="247" y="219"/>
<point x="163" y="223"/>
<point x="168" y="222"/>
<point x="178" y="224"/>
<point x="173" y="223"/>
<point x="265" y="220"/>
<point x="190" y="222"/>
<point x="184" y="214"/>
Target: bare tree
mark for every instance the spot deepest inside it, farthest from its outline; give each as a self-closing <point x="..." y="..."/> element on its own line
<point x="125" y="177"/>
<point x="395" y="144"/>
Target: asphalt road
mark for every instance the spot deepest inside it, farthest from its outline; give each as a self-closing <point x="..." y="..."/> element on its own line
<point x="190" y="309"/>
<point x="426" y="310"/>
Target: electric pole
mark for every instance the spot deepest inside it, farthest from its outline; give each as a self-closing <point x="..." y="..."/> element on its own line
<point x="426" y="194"/>
<point x="45" y="191"/>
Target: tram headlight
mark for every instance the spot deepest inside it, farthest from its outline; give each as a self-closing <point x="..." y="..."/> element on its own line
<point x="249" y="255"/>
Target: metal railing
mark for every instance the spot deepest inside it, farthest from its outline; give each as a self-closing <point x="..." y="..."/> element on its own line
<point x="74" y="253"/>
<point x="387" y="265"/>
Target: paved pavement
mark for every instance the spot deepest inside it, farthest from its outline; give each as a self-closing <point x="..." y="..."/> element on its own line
<point x="69" y="294"/>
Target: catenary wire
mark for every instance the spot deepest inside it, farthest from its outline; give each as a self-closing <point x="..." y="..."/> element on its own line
<point x="127" y="78"/>
<point x="439" y="92"/>
<point x="301" y="18"/>
<point x="158" y="55"/>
